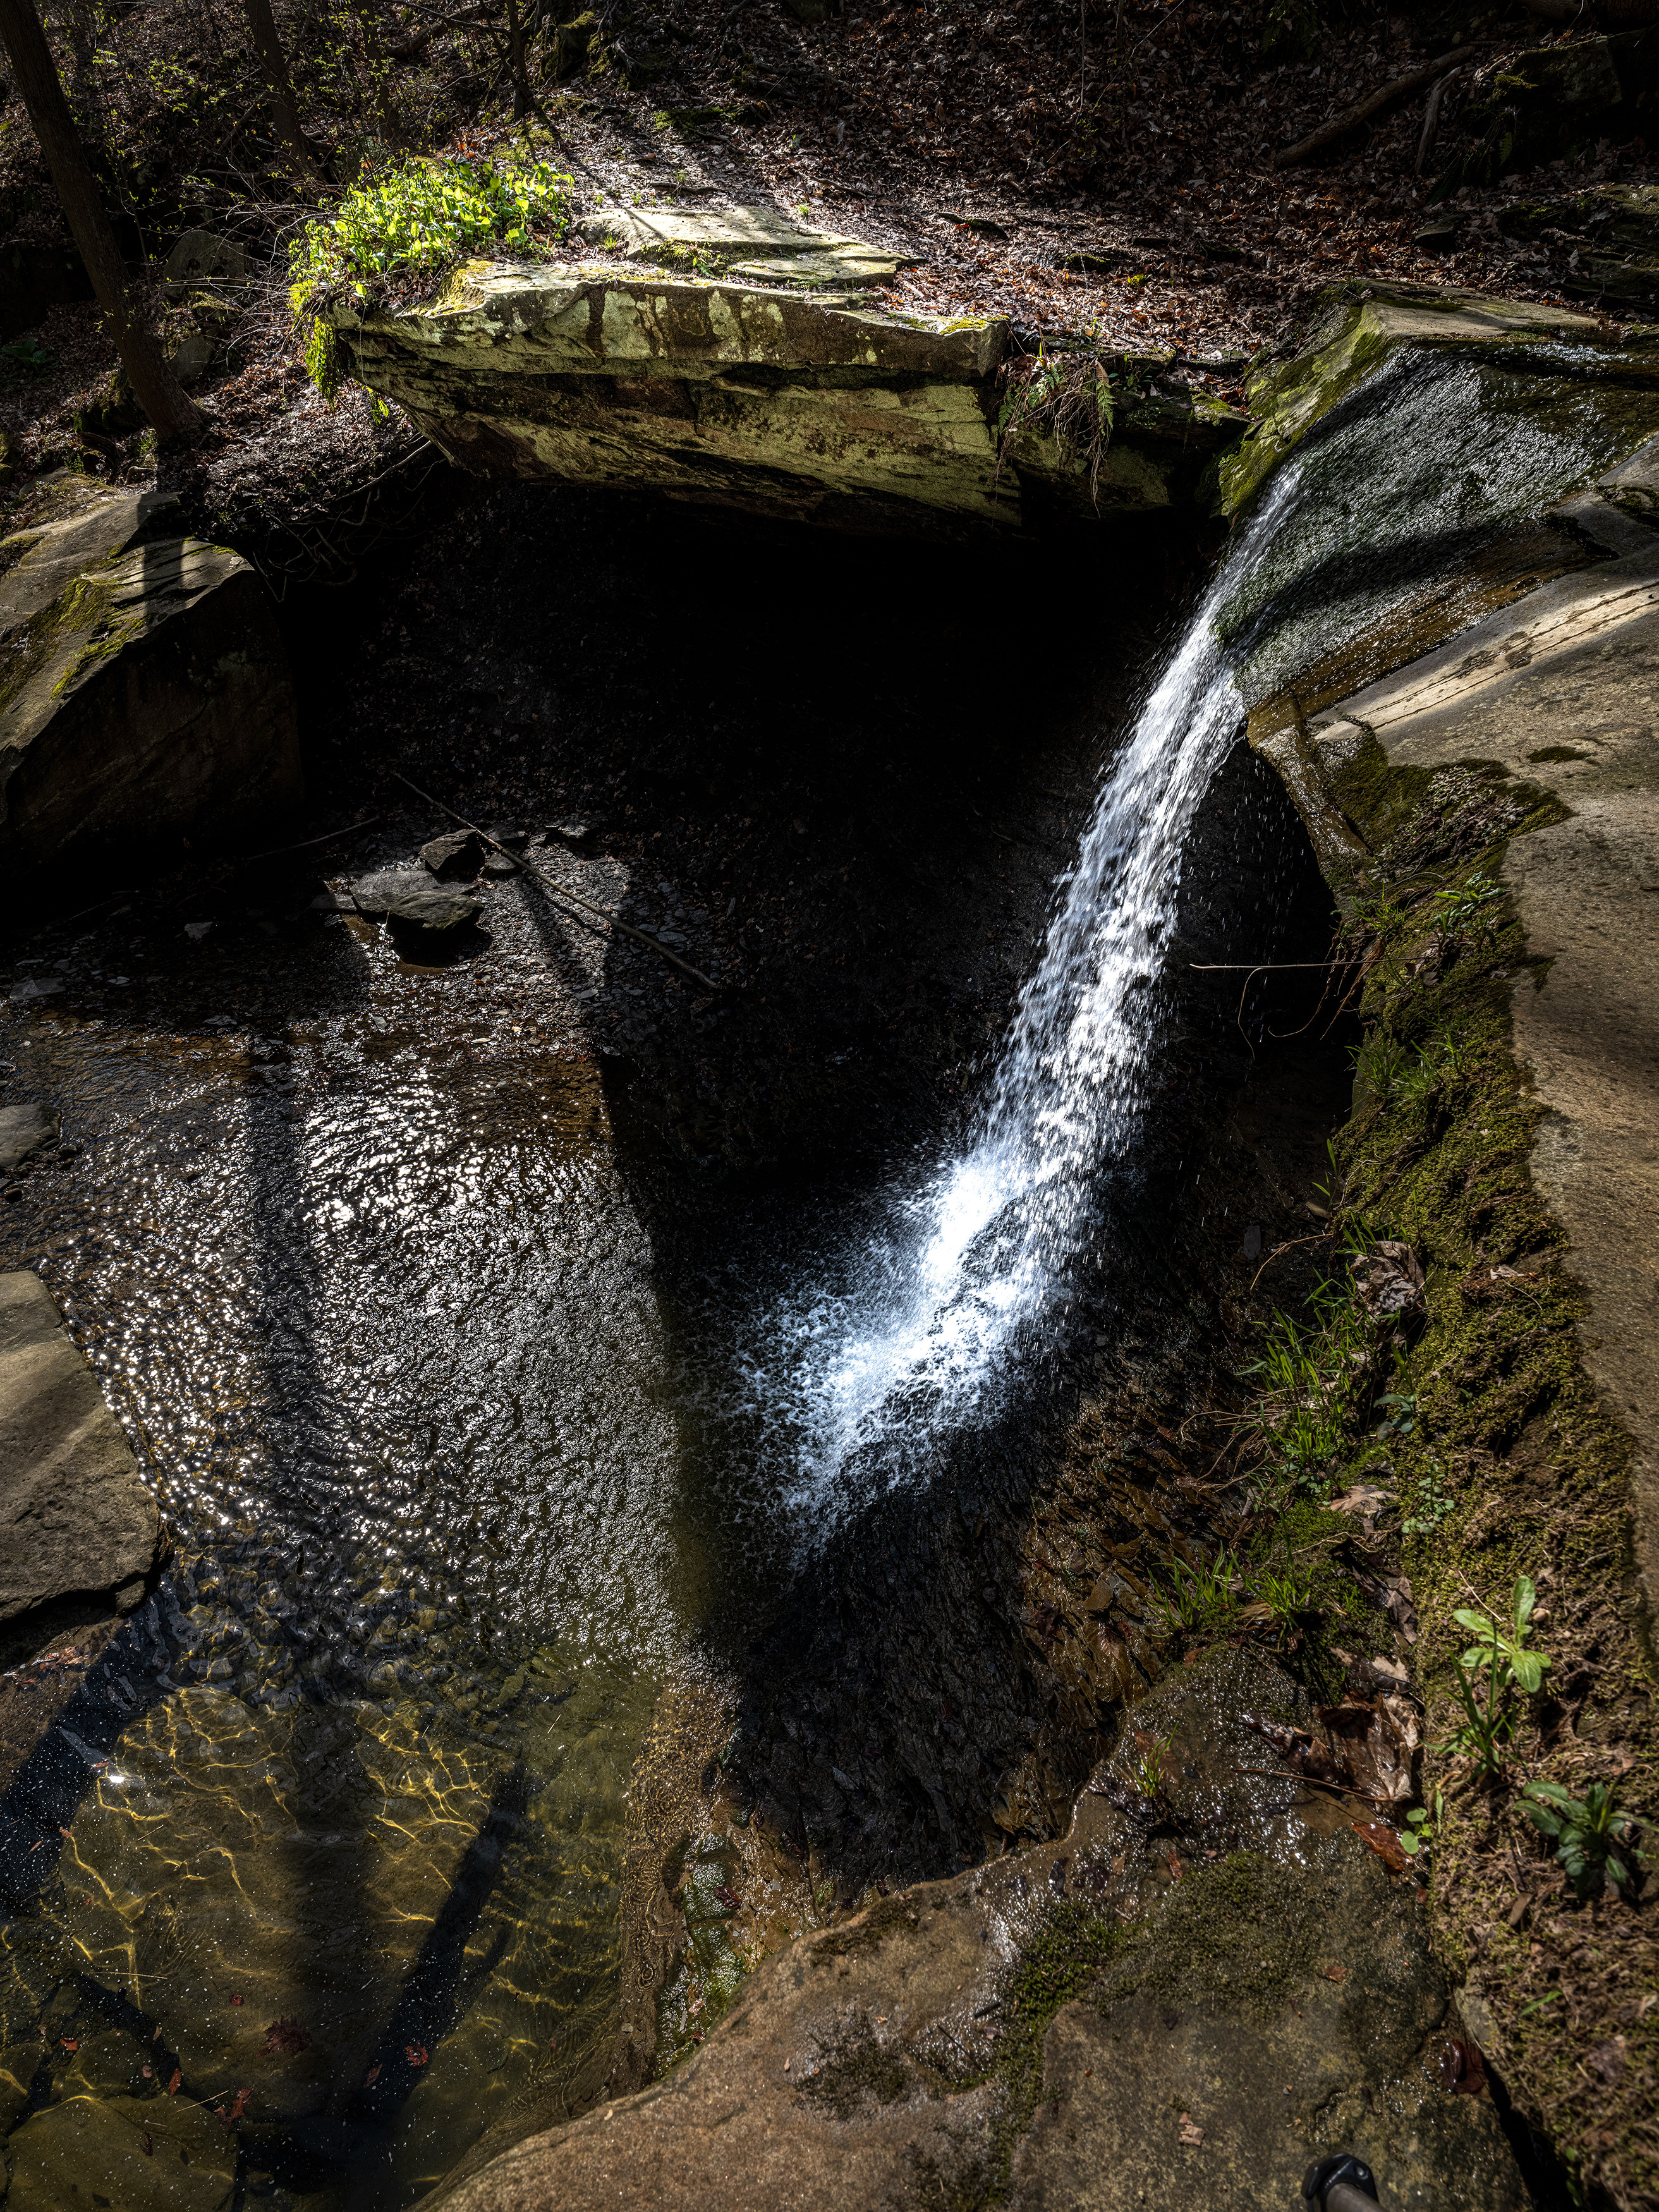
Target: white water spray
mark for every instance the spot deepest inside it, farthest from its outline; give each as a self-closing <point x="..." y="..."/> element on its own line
<point x="982" y="1258"/>
<point x="985" y="1251"/>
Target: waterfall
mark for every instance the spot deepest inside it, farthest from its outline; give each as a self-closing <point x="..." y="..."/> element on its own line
<point x="981" y="1257"/>
<point x="986" y="1248"/>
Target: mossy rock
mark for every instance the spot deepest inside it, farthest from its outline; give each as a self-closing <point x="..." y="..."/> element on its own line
<point x="1552" y="102"/>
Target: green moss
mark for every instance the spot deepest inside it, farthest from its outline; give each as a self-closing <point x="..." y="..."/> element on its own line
<point x="1236" y="1932"/>
<point x="1508" y="1464"/>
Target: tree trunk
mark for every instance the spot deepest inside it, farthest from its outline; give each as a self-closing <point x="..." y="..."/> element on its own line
<point x="279" y="95"/>
<point x="515" y="61"/>
<point x="159" y="393"/>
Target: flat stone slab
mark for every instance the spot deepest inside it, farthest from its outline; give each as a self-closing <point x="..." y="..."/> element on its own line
<point x="401" y="898"/>
<point x="25" y="1131"/>
<point x="759" y="244"/>
<point x="78" y="1529"/>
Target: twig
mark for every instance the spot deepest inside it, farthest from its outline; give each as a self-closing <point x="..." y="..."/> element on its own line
<point x="1338" y="1789"/>
<point x="1320" y="1238"/>
<point x="559" y="889"/>
<point x="1373" y="104"/>
<point x="328" y="837"/>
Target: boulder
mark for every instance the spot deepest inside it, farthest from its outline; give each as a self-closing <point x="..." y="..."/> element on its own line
<point x="415" y="903"/>
<point x="24" y="1130"/>
<point x="1609" y="238"/>
<point x="1634" y="486"/>
<point x="457" y="855"/>
<point x="1186" y="1999"/>
<point x="1552" y="102"/>
<point x="146" y="701"/>
<point x="79" y="1533"/>
<point x="200" y="260"/>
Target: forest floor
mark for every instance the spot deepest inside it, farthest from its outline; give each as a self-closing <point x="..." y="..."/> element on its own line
<point x="1112" y="181"/>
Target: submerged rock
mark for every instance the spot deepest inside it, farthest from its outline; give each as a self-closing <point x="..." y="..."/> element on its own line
<point x="25" y="1131"/>
<point x="153" y="2154"/>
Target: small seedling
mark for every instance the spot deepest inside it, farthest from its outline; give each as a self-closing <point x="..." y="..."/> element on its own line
<point x="1589" y="1834"/>
<point x="1150" y="1768"/>
<point x="1423" y="1827"/>
<point x="1504" y="1643"/>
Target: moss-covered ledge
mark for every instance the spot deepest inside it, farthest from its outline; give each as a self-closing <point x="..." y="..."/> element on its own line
<point x="781" y="400"/>
<point x="1499" y="805"/>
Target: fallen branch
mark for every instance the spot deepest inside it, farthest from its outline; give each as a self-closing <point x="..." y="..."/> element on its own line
<point x="1352" y="117"/>
<point x="559" y="889"/>
<point x="306" y="843"/>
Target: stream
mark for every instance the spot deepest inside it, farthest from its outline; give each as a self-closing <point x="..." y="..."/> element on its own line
<point x="466" y="1478"/>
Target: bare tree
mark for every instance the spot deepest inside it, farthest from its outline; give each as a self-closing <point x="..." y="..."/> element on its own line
<point x="160" y="395"/>
<point x="279" y="97"/>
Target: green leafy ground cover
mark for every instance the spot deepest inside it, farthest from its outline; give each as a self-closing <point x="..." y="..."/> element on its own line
<point x="412" y="222"/>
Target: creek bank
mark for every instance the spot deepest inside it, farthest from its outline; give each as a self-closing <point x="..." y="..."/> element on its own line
<point x="1487" y="812"/>
<point x="1206" y="1985"/>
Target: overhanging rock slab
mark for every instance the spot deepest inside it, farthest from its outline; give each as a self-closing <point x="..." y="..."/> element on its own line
<point x="784" y="398"/>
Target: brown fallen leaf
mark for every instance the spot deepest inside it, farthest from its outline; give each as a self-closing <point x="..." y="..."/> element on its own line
<point x="1335" y="1973"/>
<point x="415" y="2053"/>
<point x="1189" y="2134"/>
<point x="1461" y="2070"/>
<point x="173" y="2086"/>
<point x="1383" y="1841"/>
<point x="372" y="2074"/>
<point x="239" y="2102"/>
<point x="237" y="1999"/>
<point x="285" y="2035"/>
<point x="147" y="2146"/>
<point x="70" y="2042"/>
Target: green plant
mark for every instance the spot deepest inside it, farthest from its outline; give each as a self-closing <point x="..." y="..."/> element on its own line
<point x="1505" y="1643"/>
<point x="25" y="358"/>
<point x="1069" y="396"/>
<point x="417" y="220"/>
<point x="1149" y="1768"/>
<point x="1469" y="907"/>
<point x="1423" y="1828"/>
<point x="1200" y="1597"/>
<point x="1305" y="1381"/>
<point x="1432" y="1504"/>
<point x="1589" y="1833"/>
<point x="1488" y="1727"/>
<point x="1284" y="1595"/>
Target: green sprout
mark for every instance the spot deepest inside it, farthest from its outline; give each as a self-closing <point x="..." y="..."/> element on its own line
<point x="1589" y="1833"/>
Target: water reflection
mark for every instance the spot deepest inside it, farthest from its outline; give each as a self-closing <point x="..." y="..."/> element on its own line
<point x="379" y="1316"/>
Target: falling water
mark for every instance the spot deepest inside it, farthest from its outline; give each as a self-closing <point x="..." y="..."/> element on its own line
<point x="983" y="1256"/>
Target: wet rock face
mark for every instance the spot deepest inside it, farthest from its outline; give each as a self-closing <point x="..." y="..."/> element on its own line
<point x="147" y="697"/>
<point x="78" y="1530"/>
<point x="1202" y="1995"/>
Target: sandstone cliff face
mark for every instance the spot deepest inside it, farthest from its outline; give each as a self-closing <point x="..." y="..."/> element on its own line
<point x="146" y="700"/>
